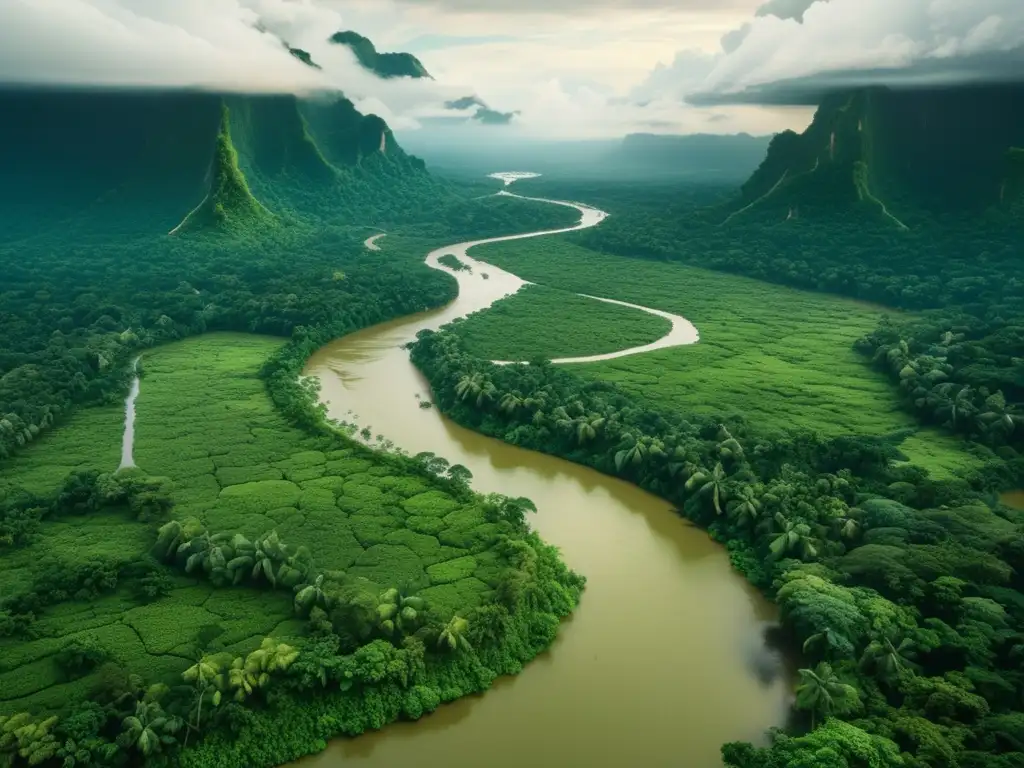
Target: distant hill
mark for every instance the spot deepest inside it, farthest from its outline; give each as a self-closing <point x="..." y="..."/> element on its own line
<point x="384" y="64"/>
<point x="894" y="151"/>
<point x="456" y="148"/>
<point x="723" y="156"/>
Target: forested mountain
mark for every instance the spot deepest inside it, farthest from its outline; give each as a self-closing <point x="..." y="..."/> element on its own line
<point x="161" y="153"/>
<point x="111" y="200"/>
<point x="722" y="157"/>
<point x="939" y="150"/>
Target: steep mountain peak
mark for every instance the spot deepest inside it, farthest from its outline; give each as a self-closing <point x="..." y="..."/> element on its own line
<point x="937" y="149"/>
<point x="385" y="65"/>
<point x="229" y="203"/>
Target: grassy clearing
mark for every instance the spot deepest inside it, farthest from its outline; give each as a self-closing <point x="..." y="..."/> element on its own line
<point x="780" y="357"/>
<point x="944" y="456"/>
<point x="90" y="438"/>
<point x="204" y="420"/>
<point x="549" y="323"/>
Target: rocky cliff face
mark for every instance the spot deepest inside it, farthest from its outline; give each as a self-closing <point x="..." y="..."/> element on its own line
<point x="935" y="150"/>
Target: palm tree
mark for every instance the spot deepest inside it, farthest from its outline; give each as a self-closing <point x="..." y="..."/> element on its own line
<point x="792" y="537"/>
<point x="537" y="401"/>
<point x="243" y="679"/>
<point x="633" y="454"/>
<point x="848" y="527"/>
<point x="888" y="658"/>
<point x="728" y="446"/>
<point x="956" y="408"/>
<point x="475" y="385"/>
<point x="196" y="552"/>
<point x="204" y="676"/>
<point x="469" y="386"/>
<point x="310" y="596"/>
<point x="296" y="569"/>
<point x="268" y="552"/>
<point x="636" y="450"/>
<point x="486" y="395"/>
<point x="246" y="675"/>
<point x="395" y="612"/>
<point x="826" y="642"/>
<point x="745" y="507"/>
<point x="510" y="403"/>
<point x="822" y="693"/>
<point x="709" y="485"/>
<point x="454" y="635"/>
<point x="271" y="656"/>
<point x="241" y="564"/>
<point x="149" y="730"/>
<point x="168" y="539"/>
<point x="587" y="427"/>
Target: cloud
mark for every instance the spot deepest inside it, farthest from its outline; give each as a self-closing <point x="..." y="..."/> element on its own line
<point x="590" y="74"/>
<point x="574" y="7"/>
<point x="786" y="9"/>
<point x="193" y="43"/>
<point x="221" y="45"/>
<point x="848" y="43"/>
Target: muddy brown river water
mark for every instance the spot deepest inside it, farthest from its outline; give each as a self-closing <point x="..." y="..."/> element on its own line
<point x="1013" y="499"/>
<point x="663" y="661"/>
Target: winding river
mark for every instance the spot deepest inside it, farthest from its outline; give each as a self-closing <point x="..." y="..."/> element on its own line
<point x="664" y="659"/>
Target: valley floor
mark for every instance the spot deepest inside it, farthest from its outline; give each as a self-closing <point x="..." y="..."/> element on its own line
<point x="780" y="358"/>
<point x="205" y="421"/>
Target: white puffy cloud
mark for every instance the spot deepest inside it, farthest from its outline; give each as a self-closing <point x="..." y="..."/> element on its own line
<point x="191" y="43"/>
<point x="225" y="45"/>
<point x="589" y="74"/>
<point x="862" y="42"/>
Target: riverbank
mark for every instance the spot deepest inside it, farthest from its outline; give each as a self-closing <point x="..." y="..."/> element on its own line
<point x="854" y="542"/>
<point x="703" y="678"/>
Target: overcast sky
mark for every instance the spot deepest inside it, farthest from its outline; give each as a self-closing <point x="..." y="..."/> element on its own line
<point x="573" y="68"/>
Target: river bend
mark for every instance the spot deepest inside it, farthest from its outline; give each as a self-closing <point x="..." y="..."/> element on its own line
<point x="663" y="661"/>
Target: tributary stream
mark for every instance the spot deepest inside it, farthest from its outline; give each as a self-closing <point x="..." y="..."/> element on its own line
<point x="663" y="661"/>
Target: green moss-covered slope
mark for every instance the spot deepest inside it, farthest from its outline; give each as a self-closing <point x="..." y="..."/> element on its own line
<point x="229" y="202"/>
<point x="272" y="138"/>
<point x="936" y="150"/>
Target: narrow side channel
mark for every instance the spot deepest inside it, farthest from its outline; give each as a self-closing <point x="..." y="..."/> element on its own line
<point x="128" y="441"/>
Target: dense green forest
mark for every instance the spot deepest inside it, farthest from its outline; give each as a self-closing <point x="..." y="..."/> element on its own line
<point x="260" y="583"/>
<point x="901" y="588"/>
<point x="958" y="361"/>
<point x="898" y="584"/>
<point x="75" y="305"/>
<point x="176" y="613"/>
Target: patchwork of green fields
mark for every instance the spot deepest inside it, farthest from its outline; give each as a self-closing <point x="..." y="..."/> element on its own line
<point x="545" y="322"/>
<point x="90" y="439"/>
<point x="779" y="357"/>
<point x="204" y="420"/>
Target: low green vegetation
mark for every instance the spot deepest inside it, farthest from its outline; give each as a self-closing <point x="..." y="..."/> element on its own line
<point x="869" y="512"/>
<point x="961" y="267"/>
<point x="452" y="261"/>
<point x="252" y="576"/>
<point x="69" y="332"/>
<point x="779" y="358"/>
<point x="900" y="583"/>
<point x="542" y="322"/>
